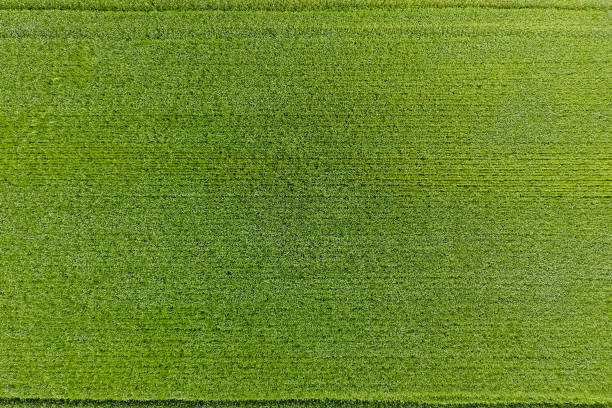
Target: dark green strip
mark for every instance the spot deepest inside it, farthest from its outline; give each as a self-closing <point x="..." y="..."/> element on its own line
<point x="290" y="403"/>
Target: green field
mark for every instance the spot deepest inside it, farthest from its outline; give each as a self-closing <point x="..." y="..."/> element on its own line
<point x="305" y="204"/>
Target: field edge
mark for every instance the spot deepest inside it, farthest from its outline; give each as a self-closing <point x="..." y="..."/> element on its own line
<point x="297" y="403"/>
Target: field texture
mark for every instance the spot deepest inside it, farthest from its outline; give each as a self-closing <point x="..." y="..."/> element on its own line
<point x="305" y="204"/>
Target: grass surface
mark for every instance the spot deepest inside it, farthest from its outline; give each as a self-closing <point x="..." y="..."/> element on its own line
<point x="395" y="204"/>
<point x="141" y="5"/>
<point x="42" y="403"/>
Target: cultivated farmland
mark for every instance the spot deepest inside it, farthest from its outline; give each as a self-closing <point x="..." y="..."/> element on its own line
<point x="319" y="203"/>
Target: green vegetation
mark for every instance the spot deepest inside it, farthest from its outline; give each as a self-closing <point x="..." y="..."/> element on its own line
<point x="383" y="204"/>
<point x="273" y="404"/>
<point x="142" y="5"/>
